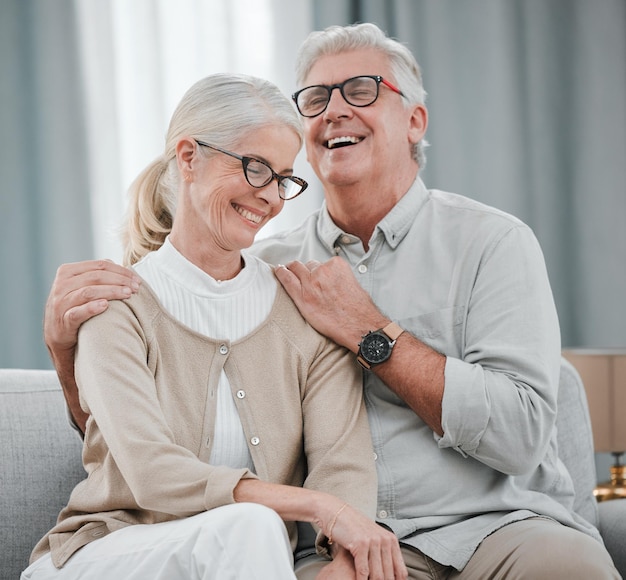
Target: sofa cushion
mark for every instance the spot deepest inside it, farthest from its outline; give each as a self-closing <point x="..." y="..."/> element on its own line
<point x="40" y="462"/>
<point x="40" y="459"/>
<point x="613" y="528"/>
<point x="575" y="440"/>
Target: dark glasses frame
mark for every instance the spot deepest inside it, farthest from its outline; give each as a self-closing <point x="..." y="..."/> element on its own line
<point x="330" y="88"/>
<point x="280" y="179"/>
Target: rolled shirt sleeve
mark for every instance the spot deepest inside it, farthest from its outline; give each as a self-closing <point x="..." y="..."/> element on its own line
<point x="499" y="401"/>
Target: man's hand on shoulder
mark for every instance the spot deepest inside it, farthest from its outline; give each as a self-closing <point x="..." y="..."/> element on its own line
<point x="331" y="299"/>
<point x="80" y="291"/>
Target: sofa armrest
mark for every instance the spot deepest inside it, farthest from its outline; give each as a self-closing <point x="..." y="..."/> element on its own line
<point x="40" y="462"/>
<point x="613" y="529"/>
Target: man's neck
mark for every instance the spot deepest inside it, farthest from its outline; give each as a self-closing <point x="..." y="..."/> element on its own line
<point x="357" y="209"/>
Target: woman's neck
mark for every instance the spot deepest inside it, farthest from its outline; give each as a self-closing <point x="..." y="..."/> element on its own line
<point x="220" y="265"/>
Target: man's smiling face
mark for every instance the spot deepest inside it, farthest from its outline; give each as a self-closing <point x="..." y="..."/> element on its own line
<point x="347" y="145"/>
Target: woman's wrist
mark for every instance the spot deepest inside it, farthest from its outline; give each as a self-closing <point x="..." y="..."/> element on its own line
<point x="331" y="526"/>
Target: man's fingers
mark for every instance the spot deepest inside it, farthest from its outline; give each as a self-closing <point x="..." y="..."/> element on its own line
<point x="78" y="275"/>
<point x="76" y="316"/>
<point x="85" y="294"/>
<point x="77" y="268"/>
<point x="289" y="279"/>
<point x="81" y="290"/>
<point x="298" y="269"/>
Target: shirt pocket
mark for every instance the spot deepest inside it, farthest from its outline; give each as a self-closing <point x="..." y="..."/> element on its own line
<point x="442" y="330"/>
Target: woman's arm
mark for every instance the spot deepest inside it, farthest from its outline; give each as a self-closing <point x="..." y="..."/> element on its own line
<point x="141" y="421"/>
<point x="375" y="550"/>
<point x="80" y="291"/>
<point x="144" y="385"/>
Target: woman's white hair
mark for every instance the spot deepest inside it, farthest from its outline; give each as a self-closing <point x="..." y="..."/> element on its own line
<point x="220" y="109"/>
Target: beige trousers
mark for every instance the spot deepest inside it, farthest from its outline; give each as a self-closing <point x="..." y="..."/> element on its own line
<point x="533" y="549"/>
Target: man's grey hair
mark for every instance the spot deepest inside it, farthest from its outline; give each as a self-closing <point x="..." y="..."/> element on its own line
<point x="337" y="39"/>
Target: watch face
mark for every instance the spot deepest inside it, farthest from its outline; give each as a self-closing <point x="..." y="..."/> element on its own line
<point x="375" y="348"/>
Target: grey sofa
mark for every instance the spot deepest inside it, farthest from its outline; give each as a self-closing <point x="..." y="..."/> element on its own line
<point x="40" y="462"/>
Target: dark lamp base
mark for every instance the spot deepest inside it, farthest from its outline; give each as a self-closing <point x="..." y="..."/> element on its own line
<point x="614" y="489"/>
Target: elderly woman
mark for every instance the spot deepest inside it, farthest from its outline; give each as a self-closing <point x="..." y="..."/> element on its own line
<point x="217" y="417"/>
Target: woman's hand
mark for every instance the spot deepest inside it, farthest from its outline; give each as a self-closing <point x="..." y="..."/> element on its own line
<point x="375" y="550"/>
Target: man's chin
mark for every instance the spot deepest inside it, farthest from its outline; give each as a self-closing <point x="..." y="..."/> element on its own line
<point x="339" y="178"/>
<point x="340" y="171"/>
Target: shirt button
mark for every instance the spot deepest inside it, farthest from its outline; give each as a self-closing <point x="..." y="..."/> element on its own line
<point x="362" y="268"/>
<point x="345" y="239"/>
<point x="255" y="441"/>
<point x="375" y="456"/>
<point x="241" y="394"/>
<point x="382" y="514"/>
<point x="223" y="349"/>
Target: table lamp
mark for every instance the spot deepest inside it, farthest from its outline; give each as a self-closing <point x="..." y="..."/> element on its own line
<point x="603" y="372"/>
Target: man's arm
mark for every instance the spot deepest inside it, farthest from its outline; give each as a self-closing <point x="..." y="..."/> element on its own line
<point x="499" y="403"/>
<point x="331" y="299"/>
<point x="80" y="291"/>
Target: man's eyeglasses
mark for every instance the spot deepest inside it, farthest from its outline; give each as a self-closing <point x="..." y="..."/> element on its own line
<point x="357" y="91"/>
<point x="259" y="174"/>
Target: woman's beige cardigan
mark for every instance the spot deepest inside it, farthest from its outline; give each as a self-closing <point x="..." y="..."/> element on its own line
<point x="150" y="383"/>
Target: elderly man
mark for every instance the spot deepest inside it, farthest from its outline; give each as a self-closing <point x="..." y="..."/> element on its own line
<point x="446" y="305"/>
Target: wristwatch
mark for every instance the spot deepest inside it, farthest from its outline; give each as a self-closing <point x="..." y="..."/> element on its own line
<point x="376" y="346"/>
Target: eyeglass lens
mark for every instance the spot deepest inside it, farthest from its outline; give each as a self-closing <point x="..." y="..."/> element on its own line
<point x="259" y="174"/>
<point x="357" y="91"/>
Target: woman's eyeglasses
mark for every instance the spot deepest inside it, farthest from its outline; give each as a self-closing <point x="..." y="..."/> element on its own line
<point x="259" y="174"/>
<point x="357" y="91"/>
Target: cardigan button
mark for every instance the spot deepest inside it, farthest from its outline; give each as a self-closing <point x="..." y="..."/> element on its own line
<point x="241" y="394"/>
<point x="255" y="441"/>
<point x="223" y="349"/>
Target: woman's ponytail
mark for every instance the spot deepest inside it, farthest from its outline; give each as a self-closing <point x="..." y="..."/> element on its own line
<point x="150" y="211"/>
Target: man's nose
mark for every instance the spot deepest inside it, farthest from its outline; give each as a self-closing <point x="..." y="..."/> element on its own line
<point x="337" y="105"/>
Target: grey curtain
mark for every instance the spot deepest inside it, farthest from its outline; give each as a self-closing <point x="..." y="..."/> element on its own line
<point x="527" y="102"/>
<point x="44" y="202"/>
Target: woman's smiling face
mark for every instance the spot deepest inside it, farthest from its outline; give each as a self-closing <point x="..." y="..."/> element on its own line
<point x="219" y="211"/>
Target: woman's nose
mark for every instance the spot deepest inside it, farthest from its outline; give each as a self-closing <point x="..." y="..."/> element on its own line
<point x="270" y="193"/>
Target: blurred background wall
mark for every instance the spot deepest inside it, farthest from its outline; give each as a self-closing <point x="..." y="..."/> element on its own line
<point x="527" y="102"/>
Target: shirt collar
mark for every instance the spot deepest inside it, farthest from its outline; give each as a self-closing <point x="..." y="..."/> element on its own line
<point x="394" y="225"/>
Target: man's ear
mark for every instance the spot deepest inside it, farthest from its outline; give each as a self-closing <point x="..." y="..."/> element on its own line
<point x="418" y="123"/>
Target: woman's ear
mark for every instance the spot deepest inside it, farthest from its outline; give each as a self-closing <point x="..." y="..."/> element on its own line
<point x="186" y="153"/>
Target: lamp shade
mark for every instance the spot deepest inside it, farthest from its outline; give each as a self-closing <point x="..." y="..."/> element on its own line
<point x="603" y="372"/>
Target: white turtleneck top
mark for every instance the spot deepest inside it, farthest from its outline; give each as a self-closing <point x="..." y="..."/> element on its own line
<point x="228" y="309"/>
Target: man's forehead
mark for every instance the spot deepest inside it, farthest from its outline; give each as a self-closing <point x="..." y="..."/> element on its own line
<point x="336" y="68"/>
